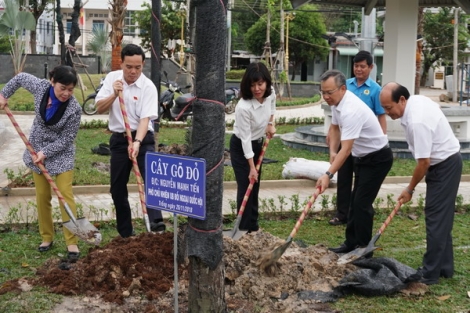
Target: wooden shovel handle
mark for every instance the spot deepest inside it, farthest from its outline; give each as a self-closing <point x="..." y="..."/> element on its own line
<point x="305" y="212"/>
<point x="389" y="218"/>
<point x="41" y="166"/>
<point x="135" y="166"/>
<point x="252" y="181"/>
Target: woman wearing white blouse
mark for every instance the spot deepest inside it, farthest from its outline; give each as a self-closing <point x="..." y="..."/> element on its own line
<point x="254" y="118"/>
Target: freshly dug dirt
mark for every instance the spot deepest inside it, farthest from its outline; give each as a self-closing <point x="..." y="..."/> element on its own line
<point x="136" y="275"/>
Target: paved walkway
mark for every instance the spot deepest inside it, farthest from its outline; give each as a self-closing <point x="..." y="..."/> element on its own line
<point x="96" y="202"/>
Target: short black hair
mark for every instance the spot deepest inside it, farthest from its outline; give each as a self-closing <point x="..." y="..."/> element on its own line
<point x="130" y="50"/>
<point x="64" y="75"/>
<point x="364" y="55"/>
<point x="255" y="72"/>
<point x="340" y="79"/>
<point x="398" y="92"/>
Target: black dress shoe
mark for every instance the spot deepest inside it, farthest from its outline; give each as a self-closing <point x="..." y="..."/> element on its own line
<point x="419" y="278"/>
<point x="342" y="249"/>
<point x="45" y="248"/>
<point x="73" y="256"/>
<point x="157" y="227"/>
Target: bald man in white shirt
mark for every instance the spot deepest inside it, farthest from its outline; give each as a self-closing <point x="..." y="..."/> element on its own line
<point x="437" y="152"/>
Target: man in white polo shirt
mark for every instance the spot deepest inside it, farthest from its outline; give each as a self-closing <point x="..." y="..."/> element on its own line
<point x="356" y="127"/>
<point x="141" y="101"/>
<point x="437" y="152"/>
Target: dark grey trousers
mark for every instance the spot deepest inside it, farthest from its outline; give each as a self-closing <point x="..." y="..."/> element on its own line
<point x="344" y="188"/>
<point x="442" y="184"/>
<point x="369" y="173"/>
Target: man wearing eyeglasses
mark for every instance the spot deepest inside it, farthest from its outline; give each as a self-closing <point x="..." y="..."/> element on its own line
<point x="357" y="129"/>
<point x="368" y="90"/>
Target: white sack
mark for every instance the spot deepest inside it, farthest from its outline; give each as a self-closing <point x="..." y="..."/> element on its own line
<point x="303" y="168"/>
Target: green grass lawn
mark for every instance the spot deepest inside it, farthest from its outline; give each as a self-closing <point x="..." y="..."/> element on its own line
<point x="90" y="136"/>
<point x="22" y="100"/>
<point x="402" y="240"/>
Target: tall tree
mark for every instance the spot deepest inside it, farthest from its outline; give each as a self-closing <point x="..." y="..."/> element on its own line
<point x="170" y="24"/>
<point x="244" y="15"/>
<point x="305" y="42"/>
<point x="204" y="237"/>
<point x="99" y="44"/>
<point x="15" y="21"/>
<point x="340" y="19"/>
<point x="118" y="13"/>
<point x="60" y="28"/>
<point x="74" y="33"/>
<point x="438" y="33"/>
<point x="36" y="7"/>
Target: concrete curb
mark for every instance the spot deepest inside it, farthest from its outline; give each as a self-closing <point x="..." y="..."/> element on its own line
<point x="229" y="185"/>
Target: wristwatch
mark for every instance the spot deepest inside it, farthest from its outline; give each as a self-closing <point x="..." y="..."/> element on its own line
<point x="330" y="176"/>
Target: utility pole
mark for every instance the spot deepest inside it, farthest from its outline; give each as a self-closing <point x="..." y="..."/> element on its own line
<point x="289" y="17"/>
<point x="368" y="34"/>
<point x="456" y="50"/>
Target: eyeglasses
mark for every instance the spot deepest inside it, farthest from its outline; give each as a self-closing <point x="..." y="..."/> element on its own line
<point x="330" y="92"/>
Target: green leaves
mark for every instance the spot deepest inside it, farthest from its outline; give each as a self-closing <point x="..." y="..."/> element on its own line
<point x="16" y="21"/>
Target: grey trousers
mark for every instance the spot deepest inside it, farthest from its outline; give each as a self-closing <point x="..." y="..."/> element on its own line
<point x="442" y="184"/>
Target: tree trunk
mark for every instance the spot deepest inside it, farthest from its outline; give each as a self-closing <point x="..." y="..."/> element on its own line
<point x="75" y="29"/>
<point x="32" y="40"/>
<point x="155" y="74"/>
<point x="204" y="237"/>
<point x="116" y="57"/>
<point x="118" y="11"/>
<point x="60" y="27"/>
<point x="206" y="288"/>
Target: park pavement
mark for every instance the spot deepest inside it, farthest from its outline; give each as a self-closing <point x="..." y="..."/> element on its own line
<point x="96" y="202"/>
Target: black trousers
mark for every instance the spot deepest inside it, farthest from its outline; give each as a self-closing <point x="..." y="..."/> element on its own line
<point x="344" y="188"/>
<point x="442" y="184"/>
<point x="241" y="169"/>
<point x="370" y="171"/>
<point x="121" y="167"/>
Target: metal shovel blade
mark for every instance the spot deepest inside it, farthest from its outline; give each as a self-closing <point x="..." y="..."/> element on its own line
<point x="359" y="252"/>
<point x="355" y="254"/>
<point x="84" y="230"/>
<point x="235" y="233"/>
<point x="270" y="259"/>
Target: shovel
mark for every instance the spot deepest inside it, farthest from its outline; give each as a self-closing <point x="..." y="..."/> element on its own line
<point x="236" y="233"/>
<point x="135" y="166"/>
<point x="267" y="261"/>
<point x="81" y="227"/>
<point x="360" y="252"/>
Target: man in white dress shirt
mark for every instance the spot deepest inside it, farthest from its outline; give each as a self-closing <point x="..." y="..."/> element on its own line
<point x="141" y="101"/>
<point x="356" y="127"/>
<point x="437" y="152"/>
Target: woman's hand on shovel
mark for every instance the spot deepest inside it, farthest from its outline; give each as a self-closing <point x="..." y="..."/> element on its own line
<point x="39" y="157"/>
<point x="3" y="102"/>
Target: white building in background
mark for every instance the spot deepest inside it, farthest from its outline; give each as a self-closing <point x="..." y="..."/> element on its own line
<point x="44" y="33"/>
<point x="95" y="14"/>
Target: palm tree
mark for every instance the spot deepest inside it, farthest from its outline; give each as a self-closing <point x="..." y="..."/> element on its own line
<point x="99" y="44"/>
<point x="15" y="21"/>
<point x="118" y="11"/>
